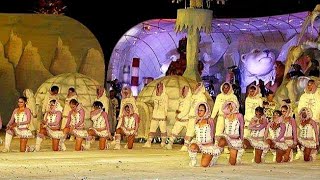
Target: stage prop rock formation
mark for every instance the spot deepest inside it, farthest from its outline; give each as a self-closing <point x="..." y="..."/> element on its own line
<point x="37" y="47"/>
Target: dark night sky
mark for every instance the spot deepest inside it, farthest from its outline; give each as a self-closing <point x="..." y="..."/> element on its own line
<point x="121" y="15"/>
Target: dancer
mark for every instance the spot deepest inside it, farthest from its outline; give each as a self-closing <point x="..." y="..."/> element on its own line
<point x="232" y="135"/>
<point x="100" y="127"/>
<point x="309" y="100"/>
<point x="253" y="100"/>
<point x="308" y="135"/>
<point x="159" y="115"/>
<point x="52" y="94"/>
<point x="74" y="125"/>
<point x="269" y="105"/>
<point x="274" y="136"/>
<point x="114" y="109"/>
<point x="225" y="95"/>
<point x="72" y="94"/>
<point x="127" y="97"/>
<point x="31" y="104"/>
<point x="197" y="97"/>
<point x="181" y="115"/>
<point x="204" y="139"/>
<point x="257" y="126"/>
<point x="127" y="126"/>
<point x="50" y="126"/>
<point x="290" y="136"/>
<point x="19" y="126"/>
<point x="102" y="97"/>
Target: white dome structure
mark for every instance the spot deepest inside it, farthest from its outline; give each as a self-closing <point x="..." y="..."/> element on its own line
<point x="84" y="86"/>
<point x="155" y="42"/>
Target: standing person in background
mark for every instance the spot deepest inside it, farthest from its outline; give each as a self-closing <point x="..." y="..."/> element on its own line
<point x="127" y="97"/>
<point x="116" y="86"/>
<point x="313" y="70"/>
<point x="253" y="100"/>
<point x="310" y="99"/>
<point x="52" y="94"/>
<point x="181" y="115"/>
<point x="31" y="104"/>
<point x="217" y="111"/>
<point x="72" y="94"/>
<point x="159" y="115"/>
<point x="225" y="95"/>
<point x="114" y="109"/>
<point x="18" y="125"/>
<point x="269" y="105"/>
<point x="197" y="97"/>
<point x="102" y="97"/>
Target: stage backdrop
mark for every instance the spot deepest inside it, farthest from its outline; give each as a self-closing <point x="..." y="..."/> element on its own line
<point x="36" y="47"/>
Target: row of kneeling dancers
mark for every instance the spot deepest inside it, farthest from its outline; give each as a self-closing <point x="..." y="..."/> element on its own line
<point x="280" y="136"/>
<point x="75" y="125"/>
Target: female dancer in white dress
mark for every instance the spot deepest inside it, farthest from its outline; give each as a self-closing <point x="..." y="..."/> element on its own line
<point x="274" y="136"/>
<point x="75" y="125"/>
<point x="290" y="136"/>
<point x="19" y="126"/>
<point x="197" y="97"/>
<point x="233" y="132"/>
<point x="204" y="140"/>
<point x="51" y="126"/>
<point x="100" y="126"/>
<point x="257" y="126"/>
<point x="308" y="135"/>
<point x="127" y="126"/>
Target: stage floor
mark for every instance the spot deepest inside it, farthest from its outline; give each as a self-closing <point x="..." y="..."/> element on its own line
<point x="139" y="163"/>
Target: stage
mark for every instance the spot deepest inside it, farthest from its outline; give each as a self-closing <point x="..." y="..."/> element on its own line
<point x="139" y="163"/>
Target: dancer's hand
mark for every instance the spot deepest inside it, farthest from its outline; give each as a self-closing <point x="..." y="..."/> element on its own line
<point x="13" y="125"/>
<point x="294" y="145"/>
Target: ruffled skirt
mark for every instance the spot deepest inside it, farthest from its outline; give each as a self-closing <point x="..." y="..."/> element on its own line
<point x="23" y="133"/>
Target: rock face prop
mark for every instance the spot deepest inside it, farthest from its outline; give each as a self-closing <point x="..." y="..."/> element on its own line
<point x="26" y="66"/>
<point x="30" y="72"/>
<point x="84" y="85"/>
<point x="293" y="88"/>
<point x="93" y="65"/>
<point x="173" y="86"/>
<point x="13" y="49"/>
<point x="63" y="61"/>
<point x="8" y="93"/>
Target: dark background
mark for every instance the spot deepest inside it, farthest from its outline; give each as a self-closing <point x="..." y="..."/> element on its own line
<point x="109" y="20"/>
